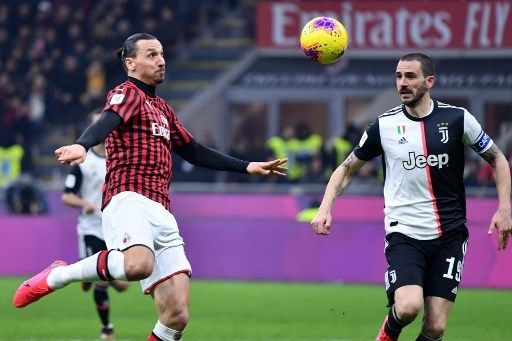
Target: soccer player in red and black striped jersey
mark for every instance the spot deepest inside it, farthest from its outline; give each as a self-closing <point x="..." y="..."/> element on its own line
<point x="422" y="144"/>
<point x="141" y="234"/>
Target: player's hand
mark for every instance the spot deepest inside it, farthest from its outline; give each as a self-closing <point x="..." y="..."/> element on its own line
<point x="502" y="222"/>
<point x="321" y="223"/>
<point x="268" y="168"/>
<point x="71" y="155"/>
<point x="89" y="208"/>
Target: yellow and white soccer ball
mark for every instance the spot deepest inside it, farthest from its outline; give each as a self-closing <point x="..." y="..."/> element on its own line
<point x="324" y="40"/>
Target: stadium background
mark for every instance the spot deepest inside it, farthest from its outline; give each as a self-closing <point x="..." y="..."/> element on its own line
<point x="239" y="82"/>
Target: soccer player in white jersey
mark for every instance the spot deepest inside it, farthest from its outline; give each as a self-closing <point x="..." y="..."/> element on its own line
<point x="83" y="189"/>
<point x="422" y="145"/>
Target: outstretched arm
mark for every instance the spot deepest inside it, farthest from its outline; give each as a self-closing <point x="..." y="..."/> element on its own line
<point x="339" y="180"/>
<point x="203" y="156"/>
<point x="94" y="134"/>
<point x="74" y="200"/>
<point x="273" y="167"/>
<point x="501" y="221"/>
<point x="72" y="187"/>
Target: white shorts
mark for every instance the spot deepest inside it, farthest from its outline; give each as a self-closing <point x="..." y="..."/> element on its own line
<point x="132" y="219"/>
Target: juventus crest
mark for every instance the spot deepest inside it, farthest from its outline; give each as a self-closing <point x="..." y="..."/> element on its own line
<point x="443" y="130"/>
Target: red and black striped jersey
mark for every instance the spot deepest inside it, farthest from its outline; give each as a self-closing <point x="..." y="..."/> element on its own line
<point x="139" y="150"/>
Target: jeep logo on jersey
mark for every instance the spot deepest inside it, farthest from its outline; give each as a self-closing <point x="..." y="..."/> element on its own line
<point x="421" y="161"/>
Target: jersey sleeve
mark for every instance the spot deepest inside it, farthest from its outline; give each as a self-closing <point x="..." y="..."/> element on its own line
<point x="73" y="181"/>
<point x="474" y="136"/>
<point x="179" y="135"/>
<point x="369" y="146"/>
<point x="123" y="100"/>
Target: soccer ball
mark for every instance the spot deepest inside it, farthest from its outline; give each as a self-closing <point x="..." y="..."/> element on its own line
<point x="324" y="40"/>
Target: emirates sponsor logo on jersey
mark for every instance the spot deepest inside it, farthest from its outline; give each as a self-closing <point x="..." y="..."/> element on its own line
<point x="422" y="161"/>
<point x="159" y="130"/>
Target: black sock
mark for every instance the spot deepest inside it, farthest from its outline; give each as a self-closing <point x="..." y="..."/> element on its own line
<point x="422" y="337"/>
<point x="102" y="304"/>
<point x="394" y="325"/>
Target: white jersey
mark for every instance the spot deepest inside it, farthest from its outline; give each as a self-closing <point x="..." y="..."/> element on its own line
<point x="424" y="163"/>
<point x="87" y="180"/>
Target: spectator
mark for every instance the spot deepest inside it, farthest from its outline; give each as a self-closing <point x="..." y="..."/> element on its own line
<point x="95" y="85"/>
<point x="244" y="148"/>
<point x="184" y="171"/>
<point x="315" y="173"/>
<point x="485" y="175"/>
<point x="278" y="147"/>
<point x="471" y="173"/>
<point x="23" y="196"/>
<point x="305" y="145"/>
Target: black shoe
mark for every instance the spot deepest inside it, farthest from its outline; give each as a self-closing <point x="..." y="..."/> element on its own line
<point x="107" y="332"/>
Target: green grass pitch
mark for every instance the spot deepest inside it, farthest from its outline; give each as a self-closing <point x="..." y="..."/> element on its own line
<point x="249" y="311"/>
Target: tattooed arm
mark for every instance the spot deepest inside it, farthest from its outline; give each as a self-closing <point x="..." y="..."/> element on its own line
<point x="501" y="221"/>
<point x="337" y="183"/>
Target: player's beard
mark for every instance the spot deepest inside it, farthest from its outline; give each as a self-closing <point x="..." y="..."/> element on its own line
<point x="159" y="80"/>
<point x="159" y="77"/>
<point x="417" y="97"/>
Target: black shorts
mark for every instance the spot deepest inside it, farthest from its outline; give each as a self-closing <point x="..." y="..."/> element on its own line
<point x="92" y="245"/>
<point x="436" y="265"/>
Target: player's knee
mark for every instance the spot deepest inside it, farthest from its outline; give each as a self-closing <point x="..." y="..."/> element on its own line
<point x="180" y="319"/>
<point x="176" y="317"/>
<point x="434" y="329"/>
<point x="408" y="309"/>
<point x="120" y="286"/>
<point x="137" y="269"/>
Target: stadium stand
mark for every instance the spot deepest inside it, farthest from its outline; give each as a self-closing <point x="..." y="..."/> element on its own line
<point x="58" y="58"/>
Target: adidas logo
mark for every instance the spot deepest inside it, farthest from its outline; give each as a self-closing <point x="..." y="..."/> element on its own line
<point x="402" y="140"/>
<point x="454" y="291"/>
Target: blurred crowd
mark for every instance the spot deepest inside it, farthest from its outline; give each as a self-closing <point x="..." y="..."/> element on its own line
<point x="312" y="158"/>
<point x="58" y="58"/>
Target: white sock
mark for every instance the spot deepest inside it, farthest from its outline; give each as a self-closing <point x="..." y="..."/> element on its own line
<point x="165" y="333"/>
<point x="85" y="270"/>
<point x="116" y="265"/>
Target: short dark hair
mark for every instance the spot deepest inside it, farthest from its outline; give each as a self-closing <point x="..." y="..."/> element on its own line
<point x="129" y="48"/>
<point x="427" y="65"/>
